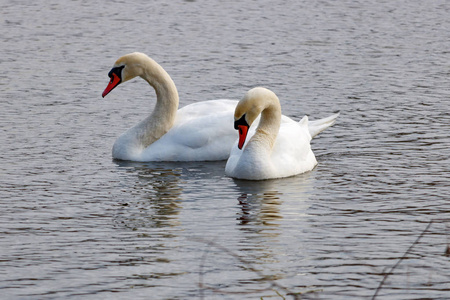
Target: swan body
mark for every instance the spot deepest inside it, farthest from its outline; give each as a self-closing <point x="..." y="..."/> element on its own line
<point x="278" y="147"/>
<point x="197" y="132"/>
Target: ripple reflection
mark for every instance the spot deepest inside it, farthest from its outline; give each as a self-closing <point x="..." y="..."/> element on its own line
<point x="152" y="195"/>
<point x="269" y="214"/>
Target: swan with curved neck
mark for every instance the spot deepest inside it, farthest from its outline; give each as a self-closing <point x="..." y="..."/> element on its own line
<point x="278" y="147"/>
<point x="197" y="132"/>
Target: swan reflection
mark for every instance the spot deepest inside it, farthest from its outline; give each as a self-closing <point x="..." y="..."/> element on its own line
<point x="260" y="208"/>
<point x="263" y="202"/>
<point x="152" y="195"/>
<point x="269" y="213"/>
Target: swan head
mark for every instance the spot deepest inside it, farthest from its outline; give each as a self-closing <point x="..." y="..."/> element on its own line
<point x="249" y="108"/>
<point x="125" y="68"/>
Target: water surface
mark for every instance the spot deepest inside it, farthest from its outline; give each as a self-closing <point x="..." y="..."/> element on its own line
<point x="76" y="224"/>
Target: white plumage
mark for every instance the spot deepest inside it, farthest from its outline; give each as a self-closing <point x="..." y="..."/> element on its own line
<point x="278" y="147"/>
<point x="197" y="132"/>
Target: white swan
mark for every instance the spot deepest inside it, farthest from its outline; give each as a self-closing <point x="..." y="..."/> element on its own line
<point x="279" y="147"/>
<point x="198" y="132"/>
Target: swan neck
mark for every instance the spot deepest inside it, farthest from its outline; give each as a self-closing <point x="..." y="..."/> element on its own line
<point x="165" y="110"/>
<point x="166" y="91"/>
<point x="269" y="125"/>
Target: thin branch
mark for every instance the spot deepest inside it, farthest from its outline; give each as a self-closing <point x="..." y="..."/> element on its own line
<point x="400" y="260"/>
<point x="200" y="276"/>
<point x="241" y="260"/>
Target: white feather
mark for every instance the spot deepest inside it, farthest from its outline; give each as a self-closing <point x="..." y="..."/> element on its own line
<point x="291" y="153"/>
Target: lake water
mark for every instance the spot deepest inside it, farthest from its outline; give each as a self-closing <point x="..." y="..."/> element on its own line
<point x="77" y="225"/>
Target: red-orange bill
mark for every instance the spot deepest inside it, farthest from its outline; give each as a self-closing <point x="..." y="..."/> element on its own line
<point x="243" y="130"/>
<point x="115" y="80"/>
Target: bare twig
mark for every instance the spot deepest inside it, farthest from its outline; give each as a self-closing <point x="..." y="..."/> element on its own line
<point x="248" y="265"/>
<point x="200" y="276"/>
<point x="400" y="260"/>
<point x="274" y="284"/>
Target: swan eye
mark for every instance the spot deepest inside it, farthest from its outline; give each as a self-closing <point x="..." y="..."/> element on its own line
<point x="241" y="121"/>
<point x="116" y="71"/>
<point x="115" y="76"/>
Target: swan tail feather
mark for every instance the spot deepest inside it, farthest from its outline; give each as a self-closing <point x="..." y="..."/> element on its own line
<point x="317" y="126"/>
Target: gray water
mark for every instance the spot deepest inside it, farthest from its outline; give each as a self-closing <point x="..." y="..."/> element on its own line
<point x="77" y="225"/>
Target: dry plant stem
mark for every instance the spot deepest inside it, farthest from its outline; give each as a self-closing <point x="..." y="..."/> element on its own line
<point x="400" y="260"/>
<point x="244" y="262"/>
<point x="288" y="292"/>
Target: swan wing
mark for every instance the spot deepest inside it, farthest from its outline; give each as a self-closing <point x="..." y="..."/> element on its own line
<point x="202" y="131"/>
<point x="292" y="153"/>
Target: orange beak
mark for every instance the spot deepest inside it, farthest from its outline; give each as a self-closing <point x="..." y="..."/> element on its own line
<point x="243" y="127"/>
<point x="115" y="80"/>
<point x="116" y="77"/>
<point x="243" y="130"/>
